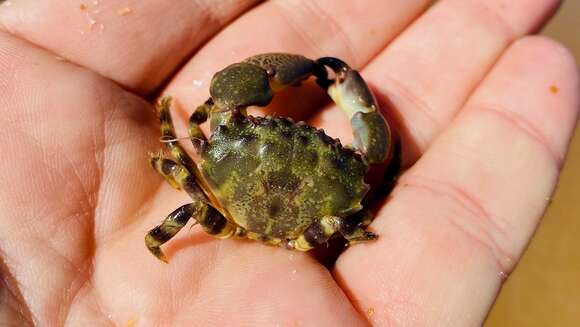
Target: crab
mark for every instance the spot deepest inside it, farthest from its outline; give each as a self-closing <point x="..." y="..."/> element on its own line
<point x="268" y="178"/>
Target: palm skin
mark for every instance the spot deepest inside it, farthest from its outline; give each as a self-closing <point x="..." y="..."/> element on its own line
<point x="78" y="194"/>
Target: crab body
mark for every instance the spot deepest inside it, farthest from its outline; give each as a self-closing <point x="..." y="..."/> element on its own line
<point x="275" y="177"/>
<point x="268" y="178"/>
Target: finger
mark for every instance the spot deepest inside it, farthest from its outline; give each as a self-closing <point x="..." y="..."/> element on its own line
<point x="136" y="45"/>
<point x="425" y="76"/>
<point x="461" y="217"/>
<point x="69" y="137"/>
<point x="311" y="28"/>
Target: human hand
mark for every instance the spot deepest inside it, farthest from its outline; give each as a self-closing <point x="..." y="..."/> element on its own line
<point x="484" y="112"/>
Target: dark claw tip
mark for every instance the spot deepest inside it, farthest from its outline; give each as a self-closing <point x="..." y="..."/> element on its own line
<point x="340" y="68"/>
<point x="334" y="63"/>
<point x="156" y="251"/>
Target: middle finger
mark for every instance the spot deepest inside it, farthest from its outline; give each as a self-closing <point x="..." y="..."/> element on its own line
<point x="428" y="72"/>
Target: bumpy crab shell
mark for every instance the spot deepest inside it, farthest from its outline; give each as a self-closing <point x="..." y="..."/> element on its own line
<point x="275" y="178"/>
<point x="268" y="178"/>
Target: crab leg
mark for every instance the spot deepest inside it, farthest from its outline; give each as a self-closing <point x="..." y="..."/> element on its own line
<point x="209" y="218"/>
<point x="319" y="232"/>
<point x="177" y="176"/>
<point x="372" y="135"/>
<point x="199" y="116"/>
<point x="352" y="228"/>
<point x="172" y="224"/>
<point x="169" y="137"/>
<point x="156" y="162"/>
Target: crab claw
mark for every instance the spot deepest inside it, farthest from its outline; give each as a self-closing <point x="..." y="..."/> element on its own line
<point x="372" y="134"/>
<point x="254" y="81"/>
<point x="284" y="69"/>
<point x="240" y="85"/>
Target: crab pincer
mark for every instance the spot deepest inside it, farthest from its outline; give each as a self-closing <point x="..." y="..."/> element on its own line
<point x="372" y="134"/>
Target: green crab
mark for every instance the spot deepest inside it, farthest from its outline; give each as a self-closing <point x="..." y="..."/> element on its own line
<point x="267" y="178"/>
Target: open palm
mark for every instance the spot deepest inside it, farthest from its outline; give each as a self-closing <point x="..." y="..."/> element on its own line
<point x="484" y="112"/>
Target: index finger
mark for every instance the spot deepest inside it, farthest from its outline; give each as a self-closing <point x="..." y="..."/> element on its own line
<point x="136" y="45"/>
